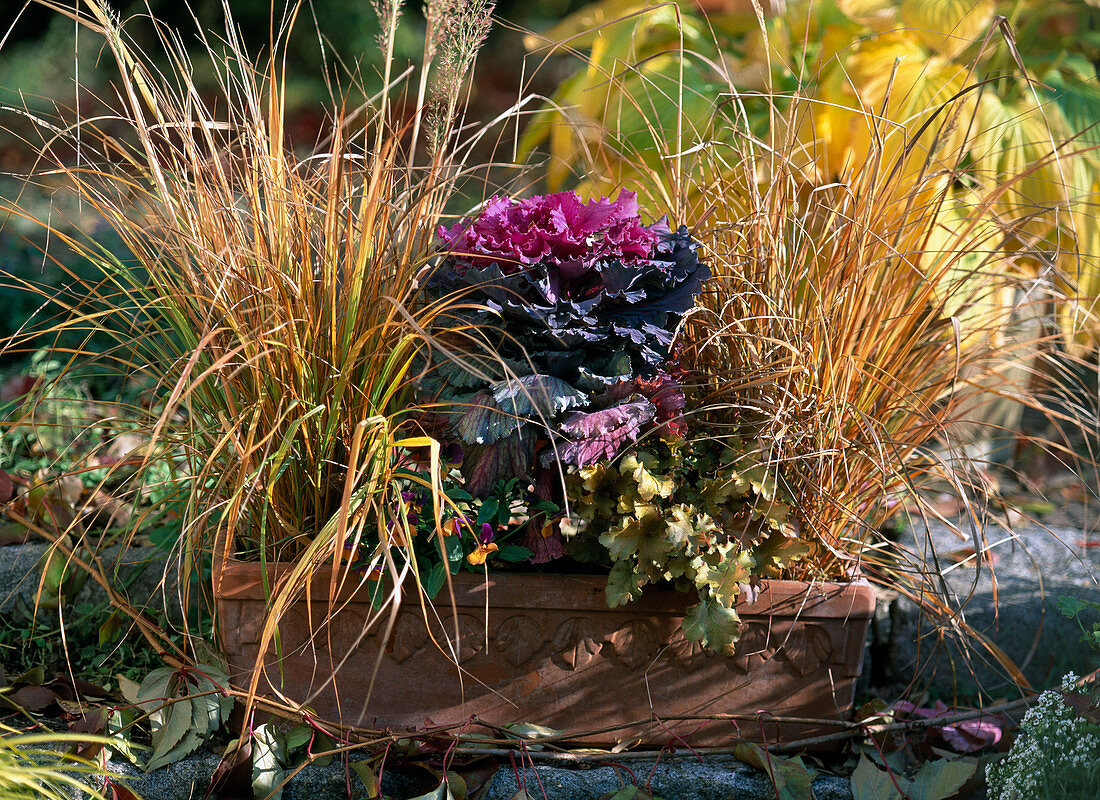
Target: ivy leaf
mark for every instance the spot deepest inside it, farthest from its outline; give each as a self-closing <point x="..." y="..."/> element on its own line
<point x="513" y="553"/>
<point x="789" y="776"/>
<point x="434" y="580"/>
<point x="871" y="783"/>
<point x="441" y="792"/>
<point x="268" y="755"/>
<point x="1071" y="606"/>
<point x="184" y="708"/>
<point x="712" y="625"/>
<point x="937" y="780"/>
<point x="298" y="736"/>
<point x="369" y="776"/>
<point x="120" y="725"/>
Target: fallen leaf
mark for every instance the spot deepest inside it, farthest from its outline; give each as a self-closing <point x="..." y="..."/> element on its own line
<point x="83" y="688"/>
<point x="92" y="722"/>
<point x="629" y="793"/>
<point x="71" y="708"/>
<point x="128" y="445"/>
<point x="967" y="556"/>
<point x="7" y="487"/>
<point x="33" y="698"/>
<point x="106" y="511"/>
<point x="369" y="776"/>
<point x="34" y="676"/>
<point x="1083" y="705"/>
<point x="70" y="487"/>
<point x="972" y="735"/>
<point x="128" y="689"/>
<point x="789" y="776"/>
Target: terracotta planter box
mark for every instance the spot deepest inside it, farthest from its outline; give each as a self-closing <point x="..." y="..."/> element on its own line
<point x="554" y="654"/>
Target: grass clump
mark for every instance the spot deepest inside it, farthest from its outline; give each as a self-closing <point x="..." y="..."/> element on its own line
<point x="32" y="767"/>
<point x="271" y="301"/>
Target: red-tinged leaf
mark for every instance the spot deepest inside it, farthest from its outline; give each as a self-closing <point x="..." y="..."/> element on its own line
<point x="1087" y="543"/>
<point x="233" y="776"/>
<point x="16" y="386"/>
<point x="116" y="791"/>
<point x="14" y="533"/>
<point x="64" y="689"/>
<point x="86" y="688"/>
<point x="483" y="465"/>
<point x="7" y="487"/>
<point x="1083" y="705"/>
<point x="972" y="735"/>
<point x="604" y="433"/>
<point x="544" y="541"/>
<point x="33" y="698"/>
<point x="92" y="721"/>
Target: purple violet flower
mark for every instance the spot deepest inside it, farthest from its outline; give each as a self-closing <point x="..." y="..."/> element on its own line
<point x="486" y="533"/>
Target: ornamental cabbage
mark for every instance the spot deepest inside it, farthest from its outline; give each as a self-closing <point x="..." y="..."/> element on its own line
<point x="575" y="305"/>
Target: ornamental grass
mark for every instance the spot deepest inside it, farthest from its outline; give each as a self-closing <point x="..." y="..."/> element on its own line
<point x="873" y="246"/>
<point x="272" y="299"/>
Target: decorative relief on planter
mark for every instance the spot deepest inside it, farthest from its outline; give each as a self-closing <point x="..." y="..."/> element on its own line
<point x="471" y="637"/>
<point x="753" y="649"/>
<point x="577" y="643"/>
<point x="518" y="639"/>
<point x="690" y="655"/>
<point x="807" y="647"/>
<point x="409" y="635"/>
<point x="635" y="643"/>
